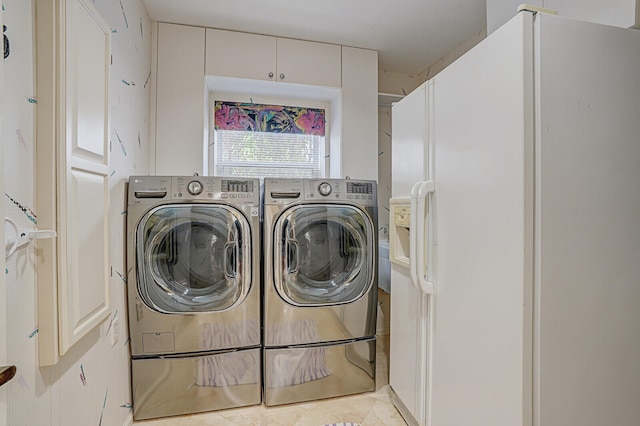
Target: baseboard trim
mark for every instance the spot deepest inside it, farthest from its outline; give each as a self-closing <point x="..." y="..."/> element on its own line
<point x="402" y="409"/>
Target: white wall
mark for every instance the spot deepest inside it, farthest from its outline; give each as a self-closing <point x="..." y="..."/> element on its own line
<point x="618" y="13"/>
<point x="90" y="385"/>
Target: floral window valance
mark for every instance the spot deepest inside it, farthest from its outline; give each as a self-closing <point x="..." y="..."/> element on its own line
<point x="268" y="118"/>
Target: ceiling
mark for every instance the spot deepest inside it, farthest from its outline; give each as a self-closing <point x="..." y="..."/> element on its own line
<point x="409" y="35"/>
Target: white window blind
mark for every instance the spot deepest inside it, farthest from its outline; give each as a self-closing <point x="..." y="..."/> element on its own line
<point x="259" y="140"/>
<point x="260" y="154"/>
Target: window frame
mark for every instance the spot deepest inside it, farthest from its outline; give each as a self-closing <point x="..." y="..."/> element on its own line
<point x="324" y="153"/>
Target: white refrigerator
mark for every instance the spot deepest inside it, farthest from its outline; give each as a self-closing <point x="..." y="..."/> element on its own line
<point x="521" y="305"/>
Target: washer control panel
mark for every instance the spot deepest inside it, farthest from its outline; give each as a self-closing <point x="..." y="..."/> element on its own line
<point x="287" y="191"/>
<point x="152" y="189"/>
<point x="195" y="187"/>
<point x="357" y="191"/>
<point x="324" y="188"/>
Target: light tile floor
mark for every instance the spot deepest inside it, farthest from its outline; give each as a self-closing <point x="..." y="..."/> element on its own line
<point x="368" y="409"/>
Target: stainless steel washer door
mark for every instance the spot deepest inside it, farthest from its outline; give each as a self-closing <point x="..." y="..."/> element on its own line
<point x="193" y="258"/>
<point x="323" y="255"/>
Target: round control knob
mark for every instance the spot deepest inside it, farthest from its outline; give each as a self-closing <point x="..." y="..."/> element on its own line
<point x="324" y="189"/>
<point x="194" y="187"/>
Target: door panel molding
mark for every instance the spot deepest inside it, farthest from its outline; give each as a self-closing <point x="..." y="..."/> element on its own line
<point x="72" y="186"/>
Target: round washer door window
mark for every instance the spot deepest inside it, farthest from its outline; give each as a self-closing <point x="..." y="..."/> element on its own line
<point x="193" y="258"/>
<point x="323" y="255"/>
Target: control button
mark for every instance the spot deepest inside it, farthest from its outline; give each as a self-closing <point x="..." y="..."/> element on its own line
<point x="195" y="187"/>
<point x="324" y="189"/>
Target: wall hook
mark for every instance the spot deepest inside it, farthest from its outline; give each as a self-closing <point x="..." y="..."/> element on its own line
<point x="17" y="236"/>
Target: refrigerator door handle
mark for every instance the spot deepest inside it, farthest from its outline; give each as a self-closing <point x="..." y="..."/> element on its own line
<point x="413" y="237"/>
<point x="423" y="250"/>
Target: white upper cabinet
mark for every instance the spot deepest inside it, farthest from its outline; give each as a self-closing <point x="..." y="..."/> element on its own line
<point x="180" y="101"/>
<point x="259" y="57"/>
<point x="306" y="62"/>
<point x="240" y="55"/>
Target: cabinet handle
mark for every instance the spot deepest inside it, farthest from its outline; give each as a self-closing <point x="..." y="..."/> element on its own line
<point x="281" y="76"/>
<point x="270" y="75"/>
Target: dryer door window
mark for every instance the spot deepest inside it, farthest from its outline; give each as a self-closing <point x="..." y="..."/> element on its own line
<point x="324" y="255"/>
<point x="193" y="258"/>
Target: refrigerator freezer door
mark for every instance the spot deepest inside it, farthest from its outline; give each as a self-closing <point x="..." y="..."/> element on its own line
<point x="407" y="353"/>
<point x="409" y="153"/>
<point x="410" y="165"/>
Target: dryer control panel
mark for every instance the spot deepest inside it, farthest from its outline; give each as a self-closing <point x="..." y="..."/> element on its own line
<point x="362" y="192"/>
<point x="286" y="191"/>
<point x="151" y="189"/>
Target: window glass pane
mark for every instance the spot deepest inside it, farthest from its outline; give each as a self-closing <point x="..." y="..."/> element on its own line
<point x="259" y="154"/>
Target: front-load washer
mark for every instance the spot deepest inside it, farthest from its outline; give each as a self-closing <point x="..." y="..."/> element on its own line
<point x="193" y="294"/>
<point x="320" y="288"/>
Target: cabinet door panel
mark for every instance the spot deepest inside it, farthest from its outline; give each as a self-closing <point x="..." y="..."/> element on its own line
<point x="241" y="55"/>
<point x="72" y="183"/>
<point x="306" y="62"/>
<point x="84" y="177"/>
<point x="180" y="100"/>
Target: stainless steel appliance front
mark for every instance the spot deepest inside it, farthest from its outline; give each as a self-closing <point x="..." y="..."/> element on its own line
<point x="193" y="293"/>
<point x="320" y="266"/>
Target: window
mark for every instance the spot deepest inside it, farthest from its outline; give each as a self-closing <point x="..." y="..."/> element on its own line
<point x="256" y="140"/>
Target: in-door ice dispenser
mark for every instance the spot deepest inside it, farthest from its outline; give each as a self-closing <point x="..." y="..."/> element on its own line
<point x="399" y="230"/>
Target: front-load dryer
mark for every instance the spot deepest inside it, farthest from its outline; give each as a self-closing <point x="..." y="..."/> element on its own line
<point x="193" y="293"/>
<point x="320" y="291"/>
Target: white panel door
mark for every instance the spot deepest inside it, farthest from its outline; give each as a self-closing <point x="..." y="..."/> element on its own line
<point x="588" y="238"/>
<point x="483" y="116"/>
<point x="83" y="173"/>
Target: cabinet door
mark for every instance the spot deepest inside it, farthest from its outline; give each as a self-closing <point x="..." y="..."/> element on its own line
<point x="84" y="176"/>
<point x="241" y="55"/>
<point x="359" y="150"/>
<point x="180" y="100"/>
<point x="72" y="187"/>
<point x="306" y="62"/>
